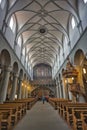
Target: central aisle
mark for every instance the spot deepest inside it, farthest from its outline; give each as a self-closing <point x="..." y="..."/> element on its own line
<point x="42" y="117"/>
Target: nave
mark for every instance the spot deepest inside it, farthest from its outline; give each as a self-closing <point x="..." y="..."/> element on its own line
<point x="43" y="53"/>
<point x="42" y="117"/>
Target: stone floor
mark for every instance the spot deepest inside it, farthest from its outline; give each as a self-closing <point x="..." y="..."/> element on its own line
<point x="42" y="117"/>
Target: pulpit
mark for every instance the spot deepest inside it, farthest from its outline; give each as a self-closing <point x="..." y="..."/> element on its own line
<point x="70" y="76"/>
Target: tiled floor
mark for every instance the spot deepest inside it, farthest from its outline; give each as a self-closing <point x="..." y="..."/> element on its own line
<point x="42" y="117"/>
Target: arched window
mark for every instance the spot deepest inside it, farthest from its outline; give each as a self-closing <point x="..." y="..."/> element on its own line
<point x="23" y="51"/>
<point x="85" y="1"/>
<point x="19" y="41"/>
<point x="12" y="23"/>
<point x="66" y="39"/>
<point x="73" y="23"/>
<point x="2" y="3"/>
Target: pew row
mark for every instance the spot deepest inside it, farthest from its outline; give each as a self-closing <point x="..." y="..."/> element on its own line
<point x="13" y="111"/>
<point x="75" y="114"/>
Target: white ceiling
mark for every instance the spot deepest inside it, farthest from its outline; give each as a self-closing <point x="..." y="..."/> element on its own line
<point x="51" y="17"/>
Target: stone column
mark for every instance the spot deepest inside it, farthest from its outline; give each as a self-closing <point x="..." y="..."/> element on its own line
<point x="57" y="91"/>
<point x="14" y="86"/>
<point x="19" y="89"/>
<point x="60" y="90"/>
<point x="26" y="93"/>
<point x="5" y="84"/>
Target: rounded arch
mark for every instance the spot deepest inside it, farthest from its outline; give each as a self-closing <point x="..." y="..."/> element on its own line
<point x="25" y="76"/>
<point x="43" y="87"/>
<point x="37" y="90"/>
<point x="79" y="57"/>
<point x="21" y="74"/>
<point x="5" y="58"/>
<point x="40" y="91"/>
<point x="15" y="67"/>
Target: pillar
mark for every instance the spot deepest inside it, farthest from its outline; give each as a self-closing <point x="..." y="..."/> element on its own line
<point x="60" y="90"/>
<point x="14" y="85"/>
<point x="26" y="93"/>
<point x="4" y="86"/>
<point x="19" y="89"/>
<point x="57" y="91"/>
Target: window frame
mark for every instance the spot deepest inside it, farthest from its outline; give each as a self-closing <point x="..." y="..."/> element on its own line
<point x="85" y="1"/>
<point x="2" y="3"/>
<point x="73" y="22"/>
<point x="13" y="26"/>
<point x="11" y="23"/>
<point x="19" y="41"/>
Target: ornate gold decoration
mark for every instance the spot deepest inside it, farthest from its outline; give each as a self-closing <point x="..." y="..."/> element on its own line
<point x="70" y="70"/>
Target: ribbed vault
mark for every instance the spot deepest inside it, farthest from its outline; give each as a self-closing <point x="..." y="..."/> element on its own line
<point x="42" y="24"/>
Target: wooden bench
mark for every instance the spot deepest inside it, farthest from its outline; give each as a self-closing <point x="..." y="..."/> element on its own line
<point x="55" y="102"/>
<point x="21" y="107"/>
<point x="5" y="119"/>
<point x="84" y="120"/>
<point x="68" y="112"/>
<point x="16" y="109"/>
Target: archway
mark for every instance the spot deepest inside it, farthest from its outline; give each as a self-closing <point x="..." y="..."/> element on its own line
<point x="5" y="62"/>
<point x="79" y="57"/>
<point x="80" y="62"/>
<point x="5" y="58"/>
<point x="12" y="80"/>
<point x="40" y="91"/>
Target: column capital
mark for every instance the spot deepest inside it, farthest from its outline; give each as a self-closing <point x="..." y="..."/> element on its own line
<point x="7" y="68"/>
<point x="20" y="78"/>
<point x="15" y="74"/>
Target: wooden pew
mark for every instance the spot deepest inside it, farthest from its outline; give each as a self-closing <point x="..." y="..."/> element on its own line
<point x="5" y="119"/>
<point x="27" y="103"/>
<point x="84" y="120"/>
<point x="21" y="107"/>
<point x="55" y="102"/>
<point x="68" y="112"/>
<point x="16" y="111"/>
<point x="0" y="119"/>
<point x="80" y="119"/>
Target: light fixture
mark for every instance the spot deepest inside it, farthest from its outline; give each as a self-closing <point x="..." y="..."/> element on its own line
<point x="84" y="70"/>
<point x="15" y="96"/>
<point x="72" y="78"/>
<point x="22" y="84"/>
<point x="66" y="81"/>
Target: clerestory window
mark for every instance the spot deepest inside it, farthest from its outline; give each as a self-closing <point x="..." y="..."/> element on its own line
<point x="73" y="23"/>
<point x="85" y="1"/>
<point x="2" y="3"/>
<point x="12" y="23"/>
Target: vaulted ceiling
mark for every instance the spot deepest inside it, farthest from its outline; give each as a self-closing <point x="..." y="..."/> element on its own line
<point x="42" y="24"/>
